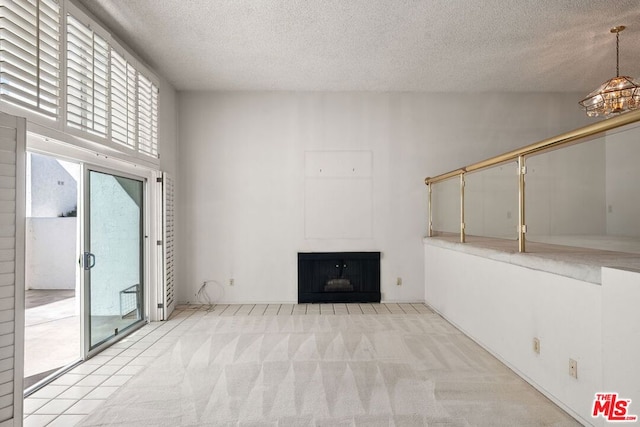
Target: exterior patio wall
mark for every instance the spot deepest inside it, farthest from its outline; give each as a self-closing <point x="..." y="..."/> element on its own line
<point x="51" y="253"/>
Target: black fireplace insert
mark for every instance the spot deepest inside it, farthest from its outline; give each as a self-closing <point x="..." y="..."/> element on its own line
<point x="338" y="277"/>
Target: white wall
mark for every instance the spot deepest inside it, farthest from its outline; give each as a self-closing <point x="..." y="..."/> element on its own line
<point x="51" y="253"/>
<point x="504" y="306"/>
<point x="491" y="202"/>
<point x="566" y="191"/>
<point x="168" y="128"/>
<point x="241" y="179"/>
<point x="53" y="186"/>
<point x="445" y="206"/>
<point x="623" y="177"/>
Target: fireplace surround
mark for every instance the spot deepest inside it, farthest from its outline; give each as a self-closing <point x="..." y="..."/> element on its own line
<point x="338" y="277"/>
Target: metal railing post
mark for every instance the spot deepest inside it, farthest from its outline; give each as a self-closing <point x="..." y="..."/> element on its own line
<point x="463" y="236"/>
<point x="522" y="226"/>
<point x="430" y="225"/>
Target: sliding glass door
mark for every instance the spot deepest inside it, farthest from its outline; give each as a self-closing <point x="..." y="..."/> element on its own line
<point x="113" y="254"/>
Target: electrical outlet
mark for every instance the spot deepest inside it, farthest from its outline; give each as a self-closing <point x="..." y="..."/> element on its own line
<point x="573" y="368"/>
<point x="399" y="281"/>
<point x="232" y="282"/>
<point x="536" y="345"/>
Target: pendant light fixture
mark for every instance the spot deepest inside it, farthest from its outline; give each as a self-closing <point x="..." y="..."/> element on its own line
<point x="615" y="96"/>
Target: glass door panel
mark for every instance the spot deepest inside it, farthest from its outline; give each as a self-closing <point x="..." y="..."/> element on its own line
<point x="113" y="258"/>
<point x="52" y="333"/>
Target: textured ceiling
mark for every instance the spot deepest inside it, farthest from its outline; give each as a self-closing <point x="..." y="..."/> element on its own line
<point x="378" y="45"/>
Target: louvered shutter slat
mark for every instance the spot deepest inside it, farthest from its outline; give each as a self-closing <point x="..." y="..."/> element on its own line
<point x="49" y="55"/>
<point x="50" y="42"/>
<point x="51" y="77"/>
<point x="30" y="54"/>
<point x="147" y="116"/>
<point x="49" y="63"/>
<point x="17" y="67"/>
<point x="25" y="31"/>
<point x="75" y="26"/>
<point x="17" y="48"/>
<point x="48" y="83"/>
<point x="87" y="78"/>
<point x="79" y="96"/>
<point x="50" y="9"/>
<point x="49" y="28"/>
<point x="117" y="100"/>
<point x="76" y="54"/>
<point x="14" y="12"/>
<point x="25" y="9"/>
<point x="168" y="243"/>
<point x="79" y="112"/>
<point x="25" y="95"/>
<point x="123" y="95"/>
<point x="76" y="42"/>
<point x="77" y="70"/>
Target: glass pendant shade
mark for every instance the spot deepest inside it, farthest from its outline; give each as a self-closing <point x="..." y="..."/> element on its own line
<point x="615" y="96"/>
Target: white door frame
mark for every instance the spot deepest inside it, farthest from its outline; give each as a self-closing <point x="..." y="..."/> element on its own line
<point x="153" y="231"/>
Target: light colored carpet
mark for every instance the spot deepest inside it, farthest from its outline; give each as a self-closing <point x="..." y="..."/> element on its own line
<point x="315" y="370"/>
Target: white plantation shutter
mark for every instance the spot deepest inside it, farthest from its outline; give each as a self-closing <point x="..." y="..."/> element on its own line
<point x="168" y="240"/>
<point x="123" y="110"/>
<point x="12" y="214"/>
<point x="87" y="78"/>
<point x="108" y="96"/>
<point x="147" y="116"/>
<point x="30" y="54"/>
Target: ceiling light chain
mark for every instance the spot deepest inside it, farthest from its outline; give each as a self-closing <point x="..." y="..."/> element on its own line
<point x="615" y="96"/>
<point x="618" y="29"/>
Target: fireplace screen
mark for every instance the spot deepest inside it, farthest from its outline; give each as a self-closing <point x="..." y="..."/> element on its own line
<point x="339" y="277"/>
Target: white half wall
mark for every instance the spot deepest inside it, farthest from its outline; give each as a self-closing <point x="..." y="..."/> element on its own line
<point x="503" y="306"/>
<point x="621" y="334"/>
<point x="241" y="177"/>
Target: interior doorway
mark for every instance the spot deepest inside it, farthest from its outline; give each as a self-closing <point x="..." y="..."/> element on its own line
<point x="52" y="287"/>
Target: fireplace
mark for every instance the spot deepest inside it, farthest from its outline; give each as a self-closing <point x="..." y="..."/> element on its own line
<point x="338" y="277"/>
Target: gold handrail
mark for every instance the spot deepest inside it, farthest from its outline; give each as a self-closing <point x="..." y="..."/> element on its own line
<point x="546" y="144"/>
